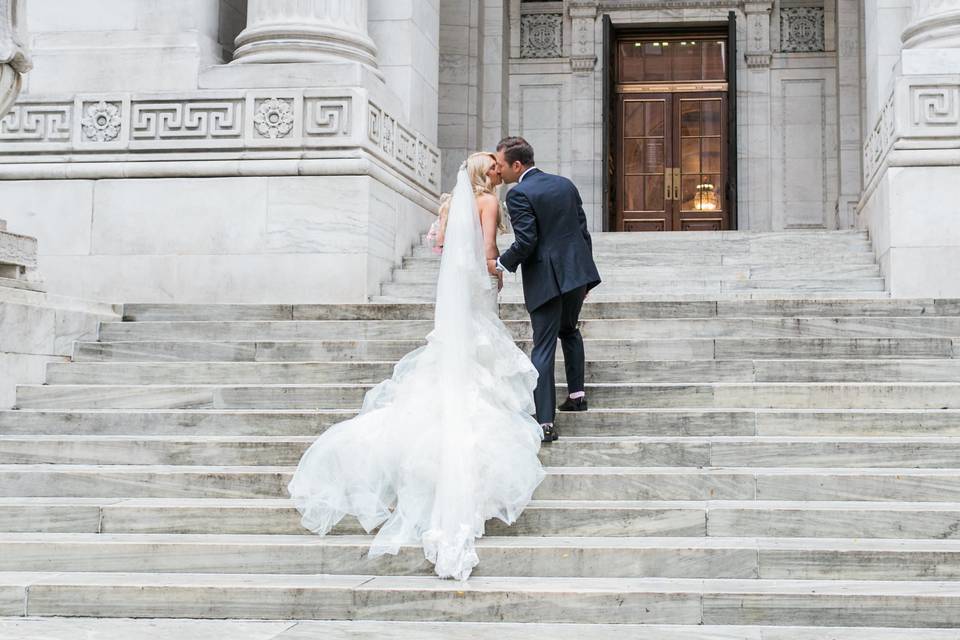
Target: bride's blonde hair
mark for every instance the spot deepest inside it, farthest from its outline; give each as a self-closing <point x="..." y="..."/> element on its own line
<point x="478" y="164"/>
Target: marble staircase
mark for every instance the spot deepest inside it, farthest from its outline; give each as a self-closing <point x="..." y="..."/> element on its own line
<point x="750" y="468"/>
<point x="723" y="264"/>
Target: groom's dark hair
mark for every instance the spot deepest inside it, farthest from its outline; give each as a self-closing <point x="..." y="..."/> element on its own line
<point x="516" y="149"/>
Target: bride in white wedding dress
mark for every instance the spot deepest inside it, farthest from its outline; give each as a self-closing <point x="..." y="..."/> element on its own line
<point x="448" y="442"/>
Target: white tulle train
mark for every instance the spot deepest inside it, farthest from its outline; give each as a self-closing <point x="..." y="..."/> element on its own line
<point x="448" y="442"/>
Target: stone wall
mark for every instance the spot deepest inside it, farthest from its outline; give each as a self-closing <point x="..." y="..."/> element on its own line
<point x="789" y="113"/>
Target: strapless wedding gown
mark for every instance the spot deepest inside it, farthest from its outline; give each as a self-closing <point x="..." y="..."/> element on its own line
<point x="448" y="442"/>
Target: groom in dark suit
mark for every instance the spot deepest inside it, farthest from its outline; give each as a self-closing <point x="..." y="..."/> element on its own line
<point x="556" y="252"/>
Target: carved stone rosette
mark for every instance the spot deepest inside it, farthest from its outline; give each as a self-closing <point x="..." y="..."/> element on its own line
<point x="13" y="57"/>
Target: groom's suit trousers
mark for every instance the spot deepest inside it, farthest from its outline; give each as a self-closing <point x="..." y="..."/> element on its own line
<point x="557" y="318"/>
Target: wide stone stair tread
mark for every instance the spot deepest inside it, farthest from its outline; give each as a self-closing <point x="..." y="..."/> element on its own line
<point x="838" y="395"/>
<point x="578" y="483"/>
<point x="494" y="599"/>
<point x="168" y="629"/>
<point x="610" y="422"/>
<point x="576" y="557"/>
<point x="623" y="328"/>
<point x="599" y="451"/>
<point x="690" y="349"/>
<point x="616" y="518"/>
<point x="653" y="308"/>
<point x="597" y="371"/>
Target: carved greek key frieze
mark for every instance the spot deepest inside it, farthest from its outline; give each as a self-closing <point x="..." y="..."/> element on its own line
<point x="935" y="105"/>
<point x="880" y="139"/>
<point x="38" y="122"/>
<point x="403" y="146"/>
<point x="241" y="122"/>
<point x="176" y="119"/>
<point x="327" y="117"/>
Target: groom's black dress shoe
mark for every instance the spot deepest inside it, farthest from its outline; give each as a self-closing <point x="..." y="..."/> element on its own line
<point x="579" y="404"/>
<point x="550" y="433"/>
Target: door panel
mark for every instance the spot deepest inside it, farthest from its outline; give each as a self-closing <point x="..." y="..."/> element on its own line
<point x="670" y="132"/>
<point x="670" y="162"/>
<point x="642" y="156"/>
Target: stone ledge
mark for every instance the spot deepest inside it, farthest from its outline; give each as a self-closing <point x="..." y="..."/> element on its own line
<point x="18" y="250"/>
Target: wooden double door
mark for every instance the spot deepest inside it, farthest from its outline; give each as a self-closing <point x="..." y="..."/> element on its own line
<point x="670" y="160"/>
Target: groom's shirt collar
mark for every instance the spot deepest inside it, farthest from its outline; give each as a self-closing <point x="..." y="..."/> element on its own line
<point x="524" y="174"/>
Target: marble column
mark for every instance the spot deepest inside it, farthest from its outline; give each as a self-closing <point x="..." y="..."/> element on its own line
<point x="13" y="57"/>
<point x="306" y="31"/>
<point x="934" y="24"/>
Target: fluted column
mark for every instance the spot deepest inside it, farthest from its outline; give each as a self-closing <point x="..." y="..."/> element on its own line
<point x="934" y="24"/>
<point x="13" y="56"/>
<point x="306" y="31"/>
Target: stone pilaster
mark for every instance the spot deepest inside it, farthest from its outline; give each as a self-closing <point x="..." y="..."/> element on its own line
<point x="758" y="52"/>
<point x="583" y="19"/>
<point x="306" y="31"/>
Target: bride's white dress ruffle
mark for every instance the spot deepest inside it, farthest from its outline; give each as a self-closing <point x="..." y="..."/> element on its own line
<point x="445" y="444"/>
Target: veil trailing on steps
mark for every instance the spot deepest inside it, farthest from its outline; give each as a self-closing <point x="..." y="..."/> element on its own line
<point x="448" y="441"/>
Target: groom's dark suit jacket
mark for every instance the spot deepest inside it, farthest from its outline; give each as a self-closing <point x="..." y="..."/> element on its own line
<point x="552" y="242"/>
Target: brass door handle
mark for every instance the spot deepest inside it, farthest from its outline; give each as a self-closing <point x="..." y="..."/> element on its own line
<point x="676" y="183"/>
<point x="668" y="183"/>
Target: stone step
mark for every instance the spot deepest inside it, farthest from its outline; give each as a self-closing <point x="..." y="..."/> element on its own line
<point x="804" y="307"/>
<point x="617" y="518"/>
<point x="621" y="297"/>
<point x="575" y="557"/>
<point x="168" y="629"/>
<point x="568" y="483"/>
<point x="684" y="601"/>
<point x="834" y="395"/>
<point x="636" y="286"/>
<point x="622" y="329"/>
<point x="800" y="263"/>
<point x="595" y="423"/>
<point x="643" y="257"/>
<point x="732" y="237"/>
<point x="638" y="349"/>
<point x="575" y="451"/>
<point x="756" y="254"/>
<point x="619" y="275"/>
<point x="597" y="371"/>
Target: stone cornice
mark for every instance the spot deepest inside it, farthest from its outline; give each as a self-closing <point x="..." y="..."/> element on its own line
<point x="615" y="5"/>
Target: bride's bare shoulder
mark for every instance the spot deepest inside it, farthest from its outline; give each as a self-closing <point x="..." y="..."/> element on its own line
<point x="486" y="200"/>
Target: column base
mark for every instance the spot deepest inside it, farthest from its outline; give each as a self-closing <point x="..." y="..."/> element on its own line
<point x="294" y="75"/>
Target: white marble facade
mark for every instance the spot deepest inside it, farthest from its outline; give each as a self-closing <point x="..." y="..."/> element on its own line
<point x="201" y="150"/>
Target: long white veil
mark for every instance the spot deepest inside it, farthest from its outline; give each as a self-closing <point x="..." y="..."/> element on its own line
<point x="448" y="441"/>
